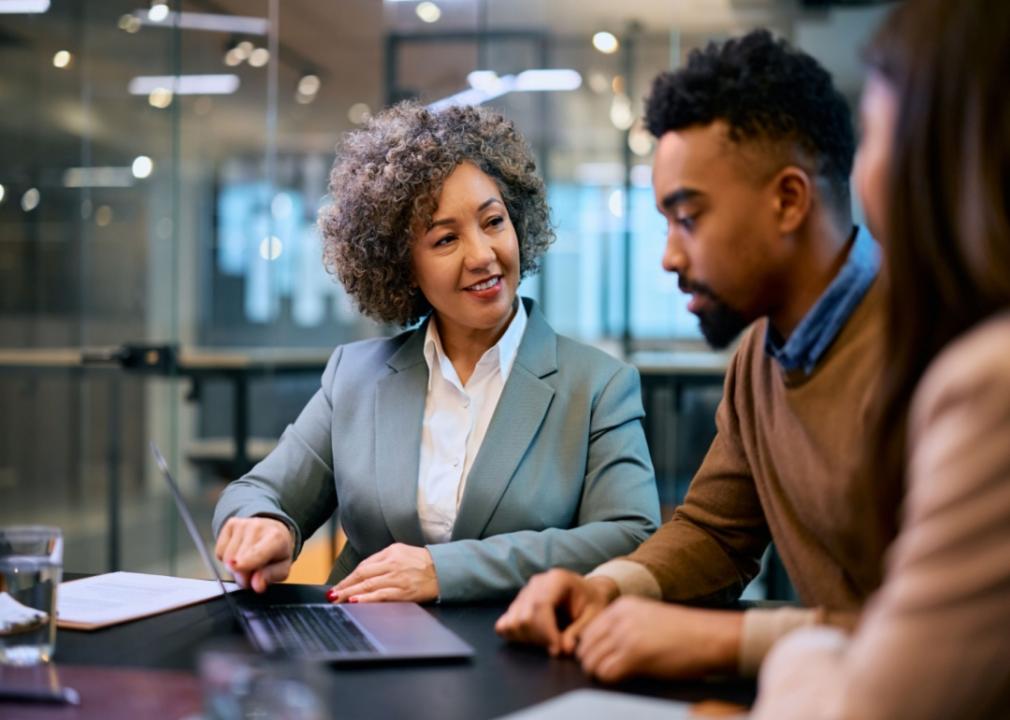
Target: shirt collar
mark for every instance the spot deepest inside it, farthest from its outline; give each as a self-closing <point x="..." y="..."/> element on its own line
<point x="825" y="320"/>
<point x="502" y="353"/>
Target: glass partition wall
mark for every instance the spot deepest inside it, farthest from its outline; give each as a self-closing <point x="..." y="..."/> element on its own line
<point x="161" y="167"/>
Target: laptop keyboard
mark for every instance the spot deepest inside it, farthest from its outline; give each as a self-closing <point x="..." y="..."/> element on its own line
<point x="313" y="629"/>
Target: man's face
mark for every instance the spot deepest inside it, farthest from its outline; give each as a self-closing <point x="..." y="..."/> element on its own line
<point x="722" y="237"/>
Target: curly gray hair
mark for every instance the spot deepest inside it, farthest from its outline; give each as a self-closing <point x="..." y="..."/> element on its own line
<point x="384" y="188"/>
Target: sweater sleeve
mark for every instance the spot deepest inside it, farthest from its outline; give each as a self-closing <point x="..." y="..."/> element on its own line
<point x="933" y="641"/>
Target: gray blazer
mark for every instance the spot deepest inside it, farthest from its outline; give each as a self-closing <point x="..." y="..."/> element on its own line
<point x="562" y="479"/>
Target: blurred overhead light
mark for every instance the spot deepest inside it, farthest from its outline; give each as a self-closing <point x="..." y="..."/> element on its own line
<point x="210" y="22"/>
<point x="23" y="6"/>
<point x="640" y="140"/>
<point x="158" y="12"/>
<point x="185" y="84"/>
<point x="61" y="58"/>
<point x="309" y="84"/>
<point x="620" y="112"/>
<point x="160" y="98"/>
<point x="548" y="80"/>
<point x="615" y="203"/>
<point x="259" y="57"/>
<point x="486" y="85"/>
<point x="598" y="82"/>
<point x="605" y="42"/>
<point x="233" y="57"/>
<point x="485" y="81"/>
<point x="98" y="177"/>
<point x="429" y="12"/>
<point x="359" y="113"/>
<point x="30" y="200"/>
<point x="271" y="248"/>
<point x="103" y="216"/>
<point x="129" y="23"/>
<point x="142" y="166"/>
<point x="3" y="193"/>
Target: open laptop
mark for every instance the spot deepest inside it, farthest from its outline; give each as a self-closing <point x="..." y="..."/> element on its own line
<point x="327" y="632"/>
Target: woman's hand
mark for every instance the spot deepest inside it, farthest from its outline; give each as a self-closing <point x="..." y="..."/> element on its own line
<point x="398" y="573"/>
<point x="257" y="550"/>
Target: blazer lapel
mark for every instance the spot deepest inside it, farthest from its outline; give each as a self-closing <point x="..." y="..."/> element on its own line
<point x="521" y="409"/>
<point x="399" y="415"/>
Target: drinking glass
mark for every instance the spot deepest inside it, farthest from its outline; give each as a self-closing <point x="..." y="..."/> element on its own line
<point x="31" y="566"/>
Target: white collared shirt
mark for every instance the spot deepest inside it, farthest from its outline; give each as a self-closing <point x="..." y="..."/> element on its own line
<point x="456" y="418"/>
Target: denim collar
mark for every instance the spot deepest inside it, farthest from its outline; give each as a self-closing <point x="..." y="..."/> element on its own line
<point x="825" y="320"/>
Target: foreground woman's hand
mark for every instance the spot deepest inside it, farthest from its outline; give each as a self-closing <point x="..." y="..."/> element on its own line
<point x="635" y="636"/>
<point x="257" y="550"/>
<point x="533" y="615"/>
<point x="399" y="573"/>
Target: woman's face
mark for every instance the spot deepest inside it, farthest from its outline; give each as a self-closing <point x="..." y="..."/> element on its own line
<point x="467" y="261"/>
<point x="878" y="112"/>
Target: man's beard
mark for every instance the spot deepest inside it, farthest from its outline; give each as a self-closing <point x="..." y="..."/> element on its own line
<point x="719" y="323"/>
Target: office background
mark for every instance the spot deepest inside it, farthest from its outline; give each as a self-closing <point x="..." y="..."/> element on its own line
<point x="161" y="166"/>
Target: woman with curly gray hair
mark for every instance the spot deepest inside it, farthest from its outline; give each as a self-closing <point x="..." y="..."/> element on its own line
<point x="470" y="452"/>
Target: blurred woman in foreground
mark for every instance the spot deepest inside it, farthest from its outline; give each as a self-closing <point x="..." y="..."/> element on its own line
<point x="933" y="172"/>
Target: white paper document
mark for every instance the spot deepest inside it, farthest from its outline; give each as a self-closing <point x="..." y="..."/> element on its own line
<point x="585" y="704"/>
<point x="117" y="597"/>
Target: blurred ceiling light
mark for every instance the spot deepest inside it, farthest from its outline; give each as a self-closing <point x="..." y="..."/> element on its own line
<point x="486" y="85"/>
<point x="142" y="167"/>
<point x="605" y="42"/>
<point x="103" y="216"/>
<point x="98" y="177"/>
<point x="615" y="203"/>
<point x="281" y="206"/>
<point x="621" y="115"/>
<point x="224" y="84"/>
<point x="548" y="80"/>
<point x="429" y="12"/>
<point x="158" y="12"/>
<point x="129" y="23"/>
<point x="617" y="85"/>
<point x="30" y="200"/>
<point x="259" y="57"/>
<point x="303" y="99"/>
<point x="359" y="113"/>
<point x="243" y="24"/>
<point x="62" y="58"/>
<point x="309" y="84"/>
<point x="598" y="82"/>
<point x="3" y="193"/>
<point x="23" y="6"/>
<point x="233" y="57"/>
<point x="271" y="248"/>
<point x="245" y="49"/>
<point x="160" y="98"/>
<point x="640" y="140"/>
<point x="484" y="80"/>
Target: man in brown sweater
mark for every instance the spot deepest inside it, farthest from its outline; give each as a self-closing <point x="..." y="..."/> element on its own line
<point x="751" y="172"/>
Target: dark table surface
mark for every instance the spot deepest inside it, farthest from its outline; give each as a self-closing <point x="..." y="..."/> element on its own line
<point x="501" y="678"/>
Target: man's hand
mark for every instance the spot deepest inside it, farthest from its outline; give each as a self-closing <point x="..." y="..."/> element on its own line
<point x="532" y="616"/>
<point x="257" y="550"/>
<point x="635" y="636"/>
<point x="398" y="573"/>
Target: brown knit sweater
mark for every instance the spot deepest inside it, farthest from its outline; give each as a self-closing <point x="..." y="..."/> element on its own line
<point x="782" y="467"/>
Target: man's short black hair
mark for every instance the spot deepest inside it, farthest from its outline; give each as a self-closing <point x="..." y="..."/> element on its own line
<point x="764" y="90"/>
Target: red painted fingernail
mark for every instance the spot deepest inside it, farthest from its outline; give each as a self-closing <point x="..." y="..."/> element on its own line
<point x="331" y="594"/>
<point x="353" y="600"/>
